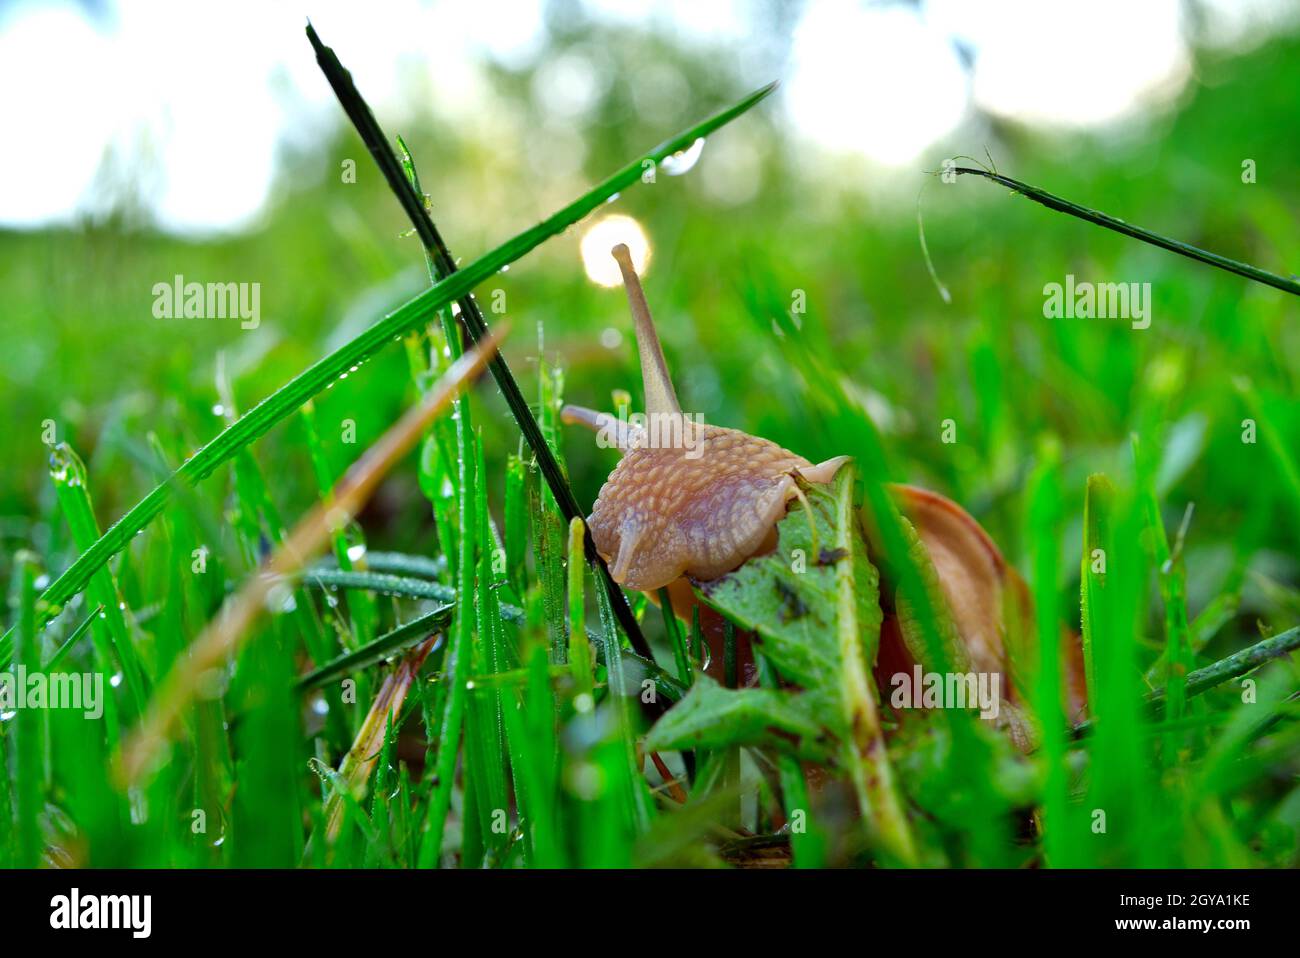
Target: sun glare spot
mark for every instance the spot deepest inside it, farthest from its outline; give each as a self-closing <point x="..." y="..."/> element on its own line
<point x="602" y="236"/>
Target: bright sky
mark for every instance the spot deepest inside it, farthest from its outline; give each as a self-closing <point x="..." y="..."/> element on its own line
<point x="192" y="103"/>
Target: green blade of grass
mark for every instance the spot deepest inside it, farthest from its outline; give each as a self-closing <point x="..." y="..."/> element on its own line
<point x="360" y="605"/>
<point x="459" y="665"/>
<point x="665" y="684"/>
<point x="57" y="658"/>
<point x="1239" y="663"/>
<point x="397" y="563"/>
<point x="313" y="380"/>
<point x="1284" y="458"/>
<point x="579" y="646"/>
<point x="1172" y="581"/>
<point x="491" y="656"/>
<point x="807" y="841"/>
<point x="29" y="723"/>
<point x="112" y="632"/>
<point x="1098" y="218"/>
<point x="1216" y="673"/>
<point x="484" y="765"/>
<point x="625" y="731"/>
<point x="865" y="755"/>
<point x="549" y="524"/>
<point x="1092" y="579"/>
<point x="677" y="637"/>
<point x="379" y="649"/>
<point x="1044" y="523"/>
<point x="373" y="737"/>
<point x="1123" y="795"/>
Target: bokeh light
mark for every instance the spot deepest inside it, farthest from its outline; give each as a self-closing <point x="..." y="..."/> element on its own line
<point x="602" y="236"/>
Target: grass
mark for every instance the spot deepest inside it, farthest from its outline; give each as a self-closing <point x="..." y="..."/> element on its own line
<point x="472" y="695"/>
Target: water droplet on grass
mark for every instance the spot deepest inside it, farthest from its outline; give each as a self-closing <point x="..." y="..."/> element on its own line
<point x="682" y="161"/>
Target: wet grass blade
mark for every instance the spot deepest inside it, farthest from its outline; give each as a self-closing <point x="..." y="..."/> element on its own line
<point x="1092" y="579"/>
<point x="1044" y="529"/>
<point x="806" y="839"/>
<point x="1097" y="218"/>
<point x="407" y="587"/>
<point x="354" y="771"/>
<point x="360" y="605"/>
<point x="57" y="658"/>
<point x="28" y="722"/>
<point x="72" y="486"/>
<point x="398" y="563"/>
<point x="1283" y="455"/>
<point x="1122" y="792"/>
<point x="677" y="638"/>
<point x="378" y="650"/>
<point x="1172" y="580"/>
<point x="579" y="647"/>
<point x="224" y="635"/>
<point x="549" y="525"/>
<point x="459" y="667"/>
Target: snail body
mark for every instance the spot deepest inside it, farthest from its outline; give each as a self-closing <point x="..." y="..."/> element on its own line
<point x="699" y="506"/>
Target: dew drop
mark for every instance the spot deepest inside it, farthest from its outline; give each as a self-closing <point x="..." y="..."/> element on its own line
<point x="682" y="161"/>
<point x="279" y="599"/>
<point x="139" y="807"/>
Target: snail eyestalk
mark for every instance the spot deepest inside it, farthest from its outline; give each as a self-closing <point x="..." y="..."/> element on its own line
<point x="660" y="397"/>
<point x="612" y="430"/>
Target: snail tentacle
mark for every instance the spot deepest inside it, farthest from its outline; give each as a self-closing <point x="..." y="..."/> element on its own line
<point x="616" y="432"/>
<point x="660" y="396"/>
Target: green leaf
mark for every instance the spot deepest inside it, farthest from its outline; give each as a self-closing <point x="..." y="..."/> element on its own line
<point x="815" y="603"/>
<point x="711" y="716"/>
<point x="790" y="598"/>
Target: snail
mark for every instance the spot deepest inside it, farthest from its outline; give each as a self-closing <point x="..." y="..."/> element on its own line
<point x="702" y="503"/>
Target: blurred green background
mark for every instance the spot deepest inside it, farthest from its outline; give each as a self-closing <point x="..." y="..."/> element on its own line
<point x="777" y="213"/>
